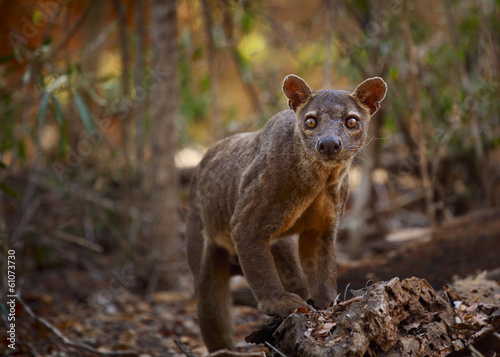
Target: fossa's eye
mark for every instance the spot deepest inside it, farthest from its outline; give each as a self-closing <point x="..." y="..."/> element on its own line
<point x="310" y="122"/>
<point x="352" y="123"/>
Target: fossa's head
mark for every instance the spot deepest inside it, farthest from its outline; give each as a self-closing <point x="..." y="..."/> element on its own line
<point x="333" y="124"/>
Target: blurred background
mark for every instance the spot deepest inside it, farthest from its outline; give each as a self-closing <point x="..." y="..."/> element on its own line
<point x="106" y="107"/>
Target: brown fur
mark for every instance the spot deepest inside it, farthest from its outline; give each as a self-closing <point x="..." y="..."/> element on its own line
<point x="253" y="190"/>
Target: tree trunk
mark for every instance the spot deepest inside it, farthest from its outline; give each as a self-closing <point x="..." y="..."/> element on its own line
<point x="140" y="98"/>
<point x="165" y="109"/>
<point x="216" y="120"/>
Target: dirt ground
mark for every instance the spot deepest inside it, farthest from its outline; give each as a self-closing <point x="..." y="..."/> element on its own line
<point x="106" y="311"/>
<point x="98" y="311"/>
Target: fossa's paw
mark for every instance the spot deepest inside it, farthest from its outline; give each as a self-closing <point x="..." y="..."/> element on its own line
<point x="322" y="302"/>
<point x="282" y="305"/>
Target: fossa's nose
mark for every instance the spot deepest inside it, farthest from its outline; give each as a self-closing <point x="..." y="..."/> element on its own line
<point x="329" y="146"/>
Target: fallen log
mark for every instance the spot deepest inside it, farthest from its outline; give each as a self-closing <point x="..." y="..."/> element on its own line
<point x="394" y="318"/>
<point x="458" y="247"/>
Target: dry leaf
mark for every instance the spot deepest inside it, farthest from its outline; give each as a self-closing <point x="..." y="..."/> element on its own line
<point x="330" y="325"/>
<point x="412" y="326"/>
<point x="472" y="307"/>
<point x="302" y="310"/>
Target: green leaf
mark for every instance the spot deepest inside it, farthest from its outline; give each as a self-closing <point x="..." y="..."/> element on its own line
<point x="43" y="108"/>
<point x="83" y="110"/>
<point x="8" y="190"/>
<point x="58" y="112"/>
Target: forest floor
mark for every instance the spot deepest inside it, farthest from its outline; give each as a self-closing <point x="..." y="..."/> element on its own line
<point x="89" y="307"/>
<point x="77" y="312"/>
<point x="102" y="312"/>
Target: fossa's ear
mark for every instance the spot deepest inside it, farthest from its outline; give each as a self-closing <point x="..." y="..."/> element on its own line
<point x="296" y="90"/>
<point x="370" y="93"/>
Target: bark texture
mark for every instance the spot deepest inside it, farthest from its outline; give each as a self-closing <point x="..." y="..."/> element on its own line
<point x="395" y="318"/>
<point x="165" y="109"/>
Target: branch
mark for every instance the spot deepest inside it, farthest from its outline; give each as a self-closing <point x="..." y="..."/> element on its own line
<point x="225" y="352"/>
<point x="72" y="31"/>
<point x="275" y="25"/>
<point x="51" y="23"/>
<point x="184" y="349"/>
<point x="247" y="86"/>
<point x="82" y="242"/>
<point x="274" y="349"/>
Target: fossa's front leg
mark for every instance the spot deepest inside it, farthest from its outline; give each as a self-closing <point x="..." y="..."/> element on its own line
<point x="257" y="263"/>
<point x="317" y="255"/>
<point x="286" y="260"/>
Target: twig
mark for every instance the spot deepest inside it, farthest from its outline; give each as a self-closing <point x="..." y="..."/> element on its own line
<point x="350" y="301"/>
<point x="90" y="195"/>
<point x="28" y="214"/>
<point x="184" y="349"/>
<point x="116" y="234"/>
<point x="275" y="349"/>
<point x="226" y="352"/>
<point x="247" y="85"/>
<point x="82" y="242"/>
<point x="451" y="294"/>
<point x="51" y="23"/>
<point x="474" y="351"/>
<point x="345" y="291"/>
<point x="113" y="205"/>
<point x="32" y="348"/>
<point x="276" y="26"/>
<point x="72" y="31"/>
<point x="65" y="340"/>
<point x="88" y="225"/>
